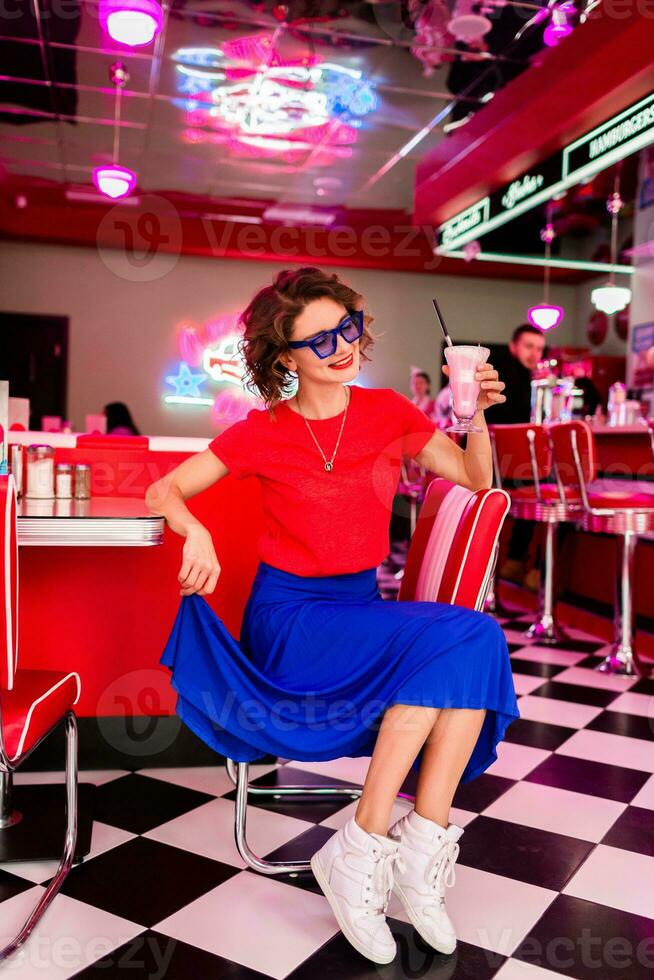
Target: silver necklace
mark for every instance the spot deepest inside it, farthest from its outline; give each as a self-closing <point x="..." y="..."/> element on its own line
<point x="329" y="463"/>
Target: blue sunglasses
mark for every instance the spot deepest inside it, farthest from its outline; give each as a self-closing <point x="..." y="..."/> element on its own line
<point x="324" y="344"/>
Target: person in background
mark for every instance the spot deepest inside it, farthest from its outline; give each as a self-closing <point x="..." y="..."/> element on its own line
<point x="591" y="396"/>
<point x="421" y="391"/>
<point x="119" y="420"/>
<point x="442" y="413"/>
<point x="526" y="349"/>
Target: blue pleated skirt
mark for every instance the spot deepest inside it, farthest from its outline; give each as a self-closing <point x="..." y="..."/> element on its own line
<point x="321" y="658"/>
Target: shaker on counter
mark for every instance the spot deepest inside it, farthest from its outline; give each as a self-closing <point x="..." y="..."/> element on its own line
<point x="64" y="480"/>
<point x="40" y="471"/>
<point x="82" y="481"/>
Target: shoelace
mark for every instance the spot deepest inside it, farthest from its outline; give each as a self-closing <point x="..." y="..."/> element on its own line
<point x="382" y="878"/>
<point x="440" y="873"/>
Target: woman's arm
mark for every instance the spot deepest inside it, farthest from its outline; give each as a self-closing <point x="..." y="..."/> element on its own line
<point x="472" y="467"/>
<point x="200" y="567"/>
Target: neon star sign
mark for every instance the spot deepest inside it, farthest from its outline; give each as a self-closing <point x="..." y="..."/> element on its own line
<point x="245" y="89"/>
<point x="187" y="387"/>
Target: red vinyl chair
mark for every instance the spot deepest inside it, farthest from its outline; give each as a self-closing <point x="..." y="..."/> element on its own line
<point x="611" y="507"/>
<point x="32" y="703"/>
<point x="523" y="453"/>
<point x="451" y="559"/>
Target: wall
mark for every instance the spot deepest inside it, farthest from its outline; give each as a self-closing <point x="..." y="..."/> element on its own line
<point x="122" y="340"/>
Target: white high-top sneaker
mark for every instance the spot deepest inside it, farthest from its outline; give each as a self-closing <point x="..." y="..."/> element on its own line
<point x="354" y="869"/>
<point x="424" y="868"/>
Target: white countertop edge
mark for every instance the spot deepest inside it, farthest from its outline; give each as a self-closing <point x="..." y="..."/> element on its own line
<point x="171" y="444"/>
<point x="68" y="440"/>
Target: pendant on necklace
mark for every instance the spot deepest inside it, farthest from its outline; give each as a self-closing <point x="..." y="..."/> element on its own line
<point x="329" y="466"/>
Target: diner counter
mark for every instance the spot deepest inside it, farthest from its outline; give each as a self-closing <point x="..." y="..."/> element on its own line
<point x="102" y="600"/>
<point x="97" y="522"/>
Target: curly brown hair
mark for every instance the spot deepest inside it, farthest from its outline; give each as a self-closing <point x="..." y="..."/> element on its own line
<point x="268" y="326"/>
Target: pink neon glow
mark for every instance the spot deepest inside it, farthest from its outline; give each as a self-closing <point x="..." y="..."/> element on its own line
<point x="560" y="25"/>
<point x="545" y="316"/>
<point x="131" y="22"/>
<point x="114" y="181"/>
<point x="554" y="33"/>
<point x="231" y="406"/>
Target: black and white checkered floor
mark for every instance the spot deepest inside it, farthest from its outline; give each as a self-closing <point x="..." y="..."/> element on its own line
<point x="555" y="875"/>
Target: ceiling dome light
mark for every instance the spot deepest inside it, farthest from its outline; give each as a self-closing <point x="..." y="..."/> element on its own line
<point x="560" y="25"/>
<point x="114" y="181"/>
<point x="610" y="298"/>
<point x="468" y="22"/>
<point x="545" y="316"/>
<point x="131" y="22"/>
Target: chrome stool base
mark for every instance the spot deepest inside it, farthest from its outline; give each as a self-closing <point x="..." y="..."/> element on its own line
<point x="621" y="660"/>
<point x="546" y="630"/>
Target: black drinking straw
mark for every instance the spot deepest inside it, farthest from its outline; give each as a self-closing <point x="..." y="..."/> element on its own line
<point x="448" y="339"/>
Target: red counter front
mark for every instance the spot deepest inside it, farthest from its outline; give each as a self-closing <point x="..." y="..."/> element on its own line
<point x="106" y="612"/>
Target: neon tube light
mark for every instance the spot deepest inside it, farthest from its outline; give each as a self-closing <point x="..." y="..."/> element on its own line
<point x="187" y="400"/>
<point x="585" y="266"/>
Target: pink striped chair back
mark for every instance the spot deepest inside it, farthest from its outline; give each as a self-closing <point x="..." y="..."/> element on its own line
<point x="452" y="550"/>
<point x="9" y="583"/>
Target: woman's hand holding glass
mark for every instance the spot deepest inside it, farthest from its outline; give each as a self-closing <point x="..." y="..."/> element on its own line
<point x="200" y="566"/>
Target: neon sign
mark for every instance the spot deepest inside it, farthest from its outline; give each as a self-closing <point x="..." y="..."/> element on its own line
<point x="612" y="141"/>
<point x="246" y="91"/>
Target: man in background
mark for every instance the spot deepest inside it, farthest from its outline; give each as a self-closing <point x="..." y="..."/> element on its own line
<point x="526" y="349"/>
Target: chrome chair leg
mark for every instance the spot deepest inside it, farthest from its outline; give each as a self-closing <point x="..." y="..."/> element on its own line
<point x="69" y="841"/>
<point x="546" y="629"/>
<point x="492" y="603"/>
<point x="623" y="658"/>
<point x="8" y="816"/>
<point x="239" y="773"/>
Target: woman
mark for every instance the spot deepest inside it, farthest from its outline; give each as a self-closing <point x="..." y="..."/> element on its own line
<point x="326" y="668"/>
<point x="421" y="390"/>
<point x="119" y="420"/>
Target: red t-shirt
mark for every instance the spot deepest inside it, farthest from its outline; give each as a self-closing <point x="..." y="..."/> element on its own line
<point x="318" y="522"/>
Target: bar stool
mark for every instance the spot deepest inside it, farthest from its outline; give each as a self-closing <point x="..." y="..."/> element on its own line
<point x="451" y="559"/>
<point x="622" y="510"/>
<point x="32" y="703"/>
<point x="522" y="452"/>
<point x="411" y="486"/>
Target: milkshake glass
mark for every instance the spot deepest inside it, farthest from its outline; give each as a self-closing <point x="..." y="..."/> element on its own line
<point x="462" y="360"/>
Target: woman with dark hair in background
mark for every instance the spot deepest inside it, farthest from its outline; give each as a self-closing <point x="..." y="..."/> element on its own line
<point x="421" y="391"/>
<point x="119" y="420"/>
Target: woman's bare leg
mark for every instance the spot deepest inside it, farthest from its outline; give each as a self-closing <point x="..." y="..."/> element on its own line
<point x="448" y="745"/>
<point x="446" y="752"/>
<point x="403" y="730"/>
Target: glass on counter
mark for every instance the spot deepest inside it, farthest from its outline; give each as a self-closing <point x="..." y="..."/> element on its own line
<point x="82" y="489"/>
<point x="16" y="462"/>
<point x="40" y="471"/>
<point x="617" y="404"/>
<point x="64" y="480"/>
